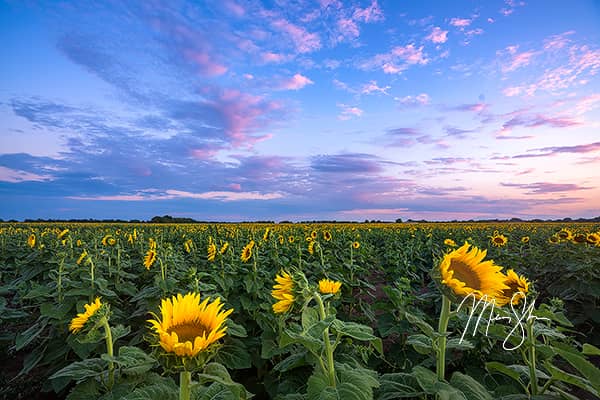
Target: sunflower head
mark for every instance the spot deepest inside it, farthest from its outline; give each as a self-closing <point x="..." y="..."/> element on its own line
<point x="188" y="328"/>
<point x="326" y="236"/>
<point x="593" y="238"/>
<point x="498" y="239"/>
<point x="211" y="252"/>
<point x="355" y="245"/>
<point x="463" y="272"/>
<point x="327" y="286"/>
<point x="449" y="242"/>
<point x="31" y="241"/>
<point x="283" y="292"/>
<point x="565" y="234"/>
<point x="150" y="258"/>
<point x="579" y="238"/>
<point x="518" y="288"/>
<point x="90" y="318"/>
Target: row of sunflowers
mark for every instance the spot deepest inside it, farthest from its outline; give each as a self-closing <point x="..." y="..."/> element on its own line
<point x="293" y="311"/>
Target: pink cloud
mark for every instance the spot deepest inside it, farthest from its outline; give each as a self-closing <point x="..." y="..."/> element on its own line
<point x="304" y="41"/>
<point x="349" y="112"/>
<point x="370" y="14"/>
<point x="296" y="82"/>
<point x="348" y="28"/>
<point x="410" y="54"/>
<point x="557" y="42"/>
<point x="438" y="35"/>
<point x="372" y="87"/>
<point x="234" y="8"/>
<point x="512" y="91"/>
<point x="518" y="60"/>
<point x="224" y="195"/>
<point x="421" y="99"/>
<point x="205" y="62"/>
<point x="392" y="69"/>
<point x="16" y="176"/>
<point x="460" y="22"/>
<point x="270" y="57"/>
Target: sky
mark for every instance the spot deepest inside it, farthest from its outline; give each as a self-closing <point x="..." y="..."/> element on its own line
<point x="300" y="110"/>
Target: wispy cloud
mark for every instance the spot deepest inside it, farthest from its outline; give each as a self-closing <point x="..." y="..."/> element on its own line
<point x="348" y="112"/>
<point x="298" y="81"/>
<point x="437" y="35"/>
<point x="551" y="151"/>
<point x="372" y="87"/>
<point x="397" y="60"/>
<point x="420" y="99"/>
<point x="545" y="187"/>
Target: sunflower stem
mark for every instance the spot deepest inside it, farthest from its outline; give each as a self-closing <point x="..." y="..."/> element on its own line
<point x="328" y="348"/>
<point x="185" y="379"/>
<point x="532" y="358"/>
<point x="442" y="327"/>
<point x="109" y="351"/>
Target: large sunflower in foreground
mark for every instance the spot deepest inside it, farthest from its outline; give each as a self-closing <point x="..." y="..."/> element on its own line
<point x="518" y="287"/>
<point x="283" y="291"/>
<point x="463" y="272"/>
<point x="187" y="327"/>
<point x="81" y="319"/>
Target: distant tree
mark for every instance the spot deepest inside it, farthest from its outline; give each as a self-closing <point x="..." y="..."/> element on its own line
<point x="398" y="220"/>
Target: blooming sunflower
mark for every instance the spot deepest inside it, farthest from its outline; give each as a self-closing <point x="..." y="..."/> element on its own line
<point x="554" y="239"/>
<point x="283" y="291"/>
<point x="186" y="327"/>
<point x="578" y="238"/>
<point x="326" y="236"/>
<point x="82" y="257"/>
<point x="449" y="242"/>
<point x="81" y="319"/>
<point x="31" y="241"/>
<point x="525" y="239"/>
<point x="356" y="245"/>
<point x="327" y="286"/>
<point x="564" y="234"/>
<point x="518" y="287"/>
<point x="291" y="239"/>
<point x="593" y="238"/>
<point x="247" y="251"/>
<point x="62" y="233"/>
<point x="311" y="247"/>
<point x="150" y="258"/>
<point x="498" y="239"/>
<point x="463" y="272"/>
<point x="224" y="248"/>
<point x="212" y="252"/>
<point x="313" y="234"/>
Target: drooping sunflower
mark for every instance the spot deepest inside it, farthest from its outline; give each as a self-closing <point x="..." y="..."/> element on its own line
<point x="188" y="245"/>
<point x="463" y="272"/>
<point x="327" y="286"/>
<point x="449" y="242"/>
<point x="283" y="291"/>
<point x="62" y="233"/>
<point x="186" y="327"/>
<point x="105" y="239"/>
<point x="31" y="241"/>
<point x="518" y="287"/>
<point x="81" y="319"/>
<point x="149" y="258"/>
<point x="554" y="239"/>
<point x="498" y="239"/>
<point x="311" y="247"/>
<point x="224" y="248"/>
<point x="82" y="257"/>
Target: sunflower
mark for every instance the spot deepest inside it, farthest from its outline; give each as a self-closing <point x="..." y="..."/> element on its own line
<point x="247" y="251"/>
<point x="186" y="327"/>
<point x="81" y="319"/>
<point x="554" y="239"/>
<point x="82" y="257"/>
<point x="313" y="234"/>
<point x="356" y="245"/>
<point x="291" y="239"/>
<point x="578" y="238"/>
<point x="224" y="248"/>
<point x="518" y="287"/>
<point x="211" y="252"/>
<point x="281" y="239"/>
<point x="266" y="235"/>
<point x="525" y="239"/>
<point x="450" y="242"/>
<point x="327" y="236"/>
<point x="498" y="240"/>
<point x="327" y="286"/>
<point x="283" y="291"/>
<point x="31" y="241"/>
<point x="150" y="258"/>
<point x="463" y="272"/>
<point x="311" y="247"/>
<point x="564" y="234"/>
<point x="593" y="238"/>
<point x="62" y="233"/>
<point x="188" y="245"/>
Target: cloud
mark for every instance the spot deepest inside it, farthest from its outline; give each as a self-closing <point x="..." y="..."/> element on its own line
<point x="419" y="100"/>
<point x="524" y="119"/>
<point x="348" y="112"/>
<point x="346" y="163"/>
<point x="372" y="87"/>
<point x="302" y="40"/>
<point x="437" y="35"/>
<point x="15" y="176"/>
<point x="545" y="187"/>
<point x="513" y="60"/>
<point x="296" y="82"/>
<point x="551" y="151"/>
<point x="397" y="60"/>
<point x="372" y="13"/>
<point x="460" y="22"/>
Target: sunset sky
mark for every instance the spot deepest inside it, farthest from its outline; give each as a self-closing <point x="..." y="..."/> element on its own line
<point x="236" y="110"/>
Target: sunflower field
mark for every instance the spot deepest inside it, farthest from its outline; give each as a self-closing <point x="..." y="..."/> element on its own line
<point x="300" y="311"/>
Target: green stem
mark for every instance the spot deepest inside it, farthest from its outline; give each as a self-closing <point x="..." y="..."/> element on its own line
<point x="442" y="327"/>
<point x="185" y="379"/>
<point x="328" y="349"/>
<point x="109" y="351"/>
<point x="532" y="358"/>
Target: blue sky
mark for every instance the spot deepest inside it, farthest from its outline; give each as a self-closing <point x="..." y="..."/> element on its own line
<point x="299" y="110"/>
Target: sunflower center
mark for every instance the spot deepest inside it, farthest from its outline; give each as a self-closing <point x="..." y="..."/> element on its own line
<point x="188" y="331"/>
<point x="464" y="273"/>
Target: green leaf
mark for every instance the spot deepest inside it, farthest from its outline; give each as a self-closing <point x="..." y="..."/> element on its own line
<point x="590" y="350"/>
<point x="423" y="326"/>
<point x="215" y="372"/>
<point x="82" y="370"/>
<point x="586" y="368"/>
<point x="26" y="337"/>
<point x="132" y="360"/>
<point x="398" y="385"/>
<point x="234" y="355"/>
<point x="354" y="330"/>
<point x="294" y="360"/>
<point x="84" y="391"/>
<point x="289" y="337"/>
<point x="53" y="311"/>
<point x="235" y="330"/>
<point x="421" y="343"/>
<point x="32" y="359"/>
<point x="456" y="343"/>
<point x="157" y="391"/>
<point x="310" y="316"/>
<point x="494" y="366"/>
<point x="571" y="379"/>
<point x="119" y="331"/>
<point x="472" y="389"/>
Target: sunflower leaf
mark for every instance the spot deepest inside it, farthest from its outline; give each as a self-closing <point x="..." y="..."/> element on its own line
<point x="82" y="370"/>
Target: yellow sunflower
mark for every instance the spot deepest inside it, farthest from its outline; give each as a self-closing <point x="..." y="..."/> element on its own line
<point x="31" y="241"/>
<point x="554" y="239"/>
<point x="449" y="242"/>
<point x="518" y="287"/>
<point x="212" y="252"/>
<point x="578" y="238"/>
<point x="498" y="239"/>
<point x="525" y="239"/>
<point x="327" y="286"/>
<point x="186" y="327"/>
<point x="247" y="251"/>
<point x="291" y="239"/>
<point x="463" y="272"/>
<point x="150" y="258"/>
<point x="593" y="238"/>
<point x="311" y="247"/>
<point x="224" y="248"/>
<point x="564" y="234"/>
<point x="313" y="234"/>
<point x="283" y="291"/>
<point x="81" y="319"/>
<point x="356" y="245"/>
<point x="326" y="236"/>
<point x="82" y="257"/>
<point x="62" y="233"/>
